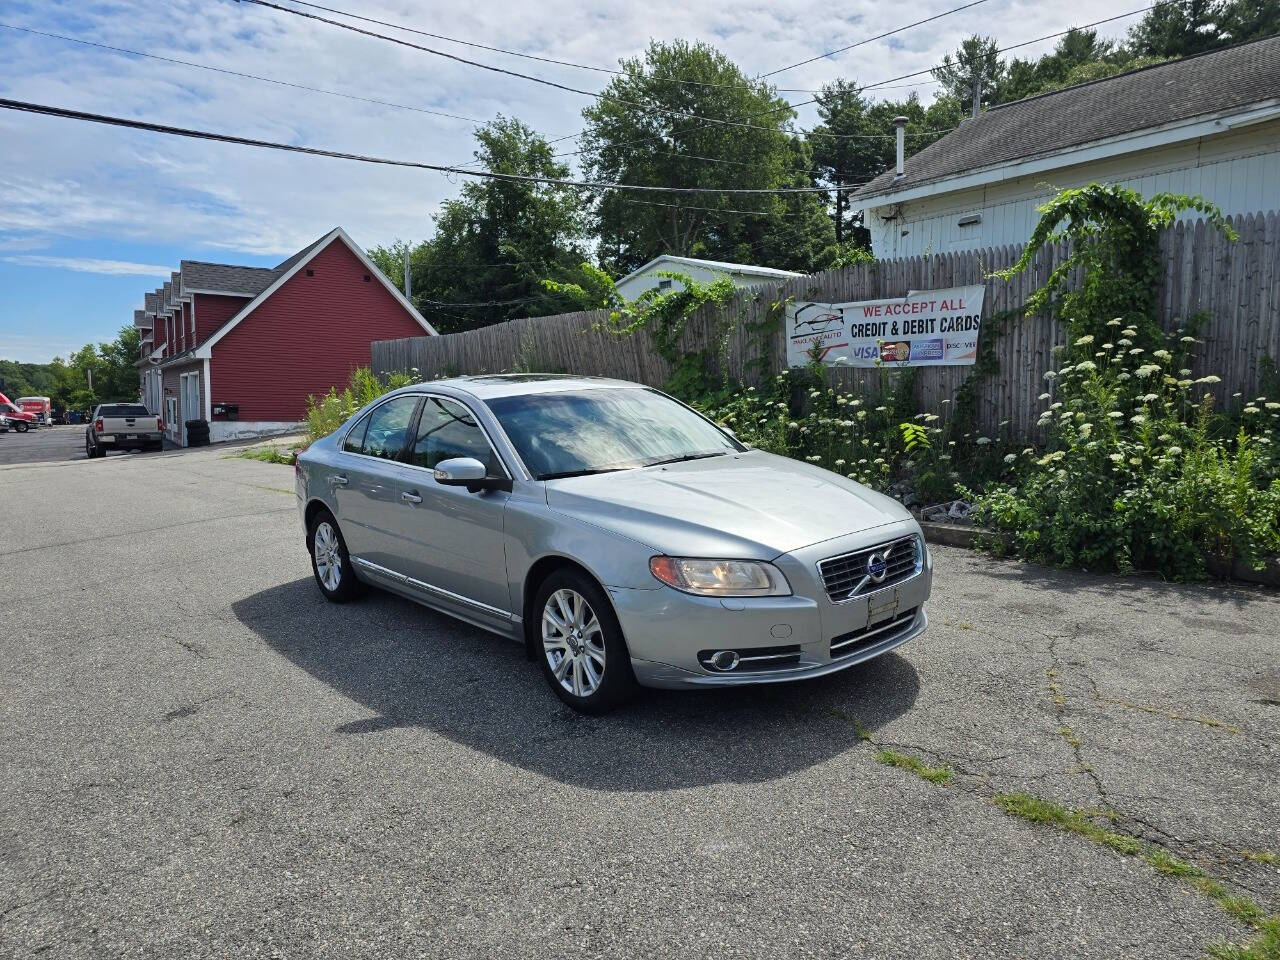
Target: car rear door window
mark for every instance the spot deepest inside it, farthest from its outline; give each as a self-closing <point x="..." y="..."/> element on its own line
<point x="388" y="428"/>
<point x="447" y="430"/>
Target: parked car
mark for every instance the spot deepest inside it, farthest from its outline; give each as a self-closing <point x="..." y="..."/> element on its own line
<point x="122" y="426"/>
<point x="620" y="535"/>
<point x="15" y="418"/>
<point x="40" y="407"/>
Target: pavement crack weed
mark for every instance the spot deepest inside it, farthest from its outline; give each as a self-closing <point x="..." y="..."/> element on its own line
<point x="903" y="761"/>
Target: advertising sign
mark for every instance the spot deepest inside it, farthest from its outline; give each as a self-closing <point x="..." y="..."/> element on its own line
<point x="926" y="328"/>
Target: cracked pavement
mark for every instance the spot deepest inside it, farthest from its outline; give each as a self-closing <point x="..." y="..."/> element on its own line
<point x="202" y="758"/>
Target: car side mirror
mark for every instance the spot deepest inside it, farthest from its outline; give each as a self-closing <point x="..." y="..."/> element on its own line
<point x="730" y="432"/>
<point x="460" y="472"/>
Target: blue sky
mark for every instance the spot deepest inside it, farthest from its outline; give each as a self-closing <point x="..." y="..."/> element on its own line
<point x="90" y="215"/>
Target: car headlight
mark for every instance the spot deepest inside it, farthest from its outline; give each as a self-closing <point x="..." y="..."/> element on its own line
<point x="721" y="578"/>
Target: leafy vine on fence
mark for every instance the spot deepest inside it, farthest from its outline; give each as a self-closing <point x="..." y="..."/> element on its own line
<point x="1113" y="237"/>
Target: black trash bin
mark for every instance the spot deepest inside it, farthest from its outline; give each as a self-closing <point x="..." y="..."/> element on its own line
<point x="197" y="433"/>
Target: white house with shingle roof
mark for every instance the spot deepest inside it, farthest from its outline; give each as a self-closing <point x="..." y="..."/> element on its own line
<point x="1206" y="125"/>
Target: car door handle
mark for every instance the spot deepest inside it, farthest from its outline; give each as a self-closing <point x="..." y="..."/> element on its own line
<point x="338" y="481"/>
<point x="410" y="497"/>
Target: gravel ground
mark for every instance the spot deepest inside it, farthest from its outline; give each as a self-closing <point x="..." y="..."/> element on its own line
<point x="201" y="758"/>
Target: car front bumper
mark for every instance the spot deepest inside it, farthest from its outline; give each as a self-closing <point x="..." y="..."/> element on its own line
<point x="666" y="630"/>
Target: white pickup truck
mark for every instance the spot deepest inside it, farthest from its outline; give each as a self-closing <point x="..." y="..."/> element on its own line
<point x="122" y="426"/>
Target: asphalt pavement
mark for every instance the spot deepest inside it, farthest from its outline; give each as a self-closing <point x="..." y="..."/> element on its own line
<point x="202" y="758"/>
<point x="42" y="444"/>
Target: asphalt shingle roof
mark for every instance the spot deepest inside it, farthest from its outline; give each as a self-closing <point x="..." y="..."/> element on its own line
<point x="140" y="319"/>
<point x="226" y="277"/>
<point x="1152" y="97"/>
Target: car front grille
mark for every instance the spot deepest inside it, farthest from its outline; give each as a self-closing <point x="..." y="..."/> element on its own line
<point x="851" y="574"/>
<point x="848" y="644"/>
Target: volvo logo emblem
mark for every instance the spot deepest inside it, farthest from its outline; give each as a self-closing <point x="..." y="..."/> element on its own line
<point x="877" y="566"/>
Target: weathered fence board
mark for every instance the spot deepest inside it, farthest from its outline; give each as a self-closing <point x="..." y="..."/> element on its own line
<point x="1233" y="286"/>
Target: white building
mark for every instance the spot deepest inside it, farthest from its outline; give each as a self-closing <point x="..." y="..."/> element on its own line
<point x="1207" y="125"/>
<point x="704" y="271"/>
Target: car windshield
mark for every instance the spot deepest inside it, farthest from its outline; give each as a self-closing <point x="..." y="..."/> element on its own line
<point x="573" y="433"/>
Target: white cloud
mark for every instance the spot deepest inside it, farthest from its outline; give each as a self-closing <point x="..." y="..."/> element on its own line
<point x="113" y="268"/>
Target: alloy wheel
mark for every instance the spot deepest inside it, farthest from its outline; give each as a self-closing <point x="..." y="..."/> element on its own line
<point x="327" y="556"/>
<point x="573" y="642"/>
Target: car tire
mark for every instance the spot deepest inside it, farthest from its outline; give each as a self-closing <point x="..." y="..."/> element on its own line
<point x="330" y="562"/>
<point x="21" y="427"/>
<point x="581" y="651"/>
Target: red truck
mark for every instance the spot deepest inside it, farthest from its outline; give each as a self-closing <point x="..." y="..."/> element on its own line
<point x="13" y="417"/>
<point x="42" y="407"/>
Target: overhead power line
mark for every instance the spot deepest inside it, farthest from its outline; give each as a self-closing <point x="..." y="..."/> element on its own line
<point x="1012" y="46"/>
<point x="23" y="106"/>
<point x="684" y="115"/>
<point x="503" y="70"/>
<point x="879" y="36"/>
<point x="237" y="73"/>
<point x="465" y="43"/>
<point x="612" y="71"/>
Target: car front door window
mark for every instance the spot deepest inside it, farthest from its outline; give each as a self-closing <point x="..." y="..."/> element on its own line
<point x="447" y="430"/>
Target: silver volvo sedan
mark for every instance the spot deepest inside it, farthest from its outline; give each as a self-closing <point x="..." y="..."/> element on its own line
<point x="620" y="535"/>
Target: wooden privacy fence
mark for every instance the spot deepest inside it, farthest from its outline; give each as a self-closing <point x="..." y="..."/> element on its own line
<point x="1235" y="284"/>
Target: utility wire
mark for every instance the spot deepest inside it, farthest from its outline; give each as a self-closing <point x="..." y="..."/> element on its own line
<point x="545" y="82"/>
<point x="879" y="36"/>
<point x="885" y="84"/>
<point x="1013" y="46"/>
<point x="23" y="106"/>
<point x="237" y="73"/>
<point x="599" y="69"/>
<point x="511" y="73"/>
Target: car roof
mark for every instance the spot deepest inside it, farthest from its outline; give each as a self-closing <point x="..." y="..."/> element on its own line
<point x="490" y="386"/>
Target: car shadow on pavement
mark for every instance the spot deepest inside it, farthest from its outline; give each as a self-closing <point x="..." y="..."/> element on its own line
<point x="413" y="667"/>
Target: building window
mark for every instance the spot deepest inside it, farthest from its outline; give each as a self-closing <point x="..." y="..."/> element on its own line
<point x="664" y="284"/>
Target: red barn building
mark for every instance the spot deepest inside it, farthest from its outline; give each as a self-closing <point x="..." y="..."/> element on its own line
<point x="244" y="347"/>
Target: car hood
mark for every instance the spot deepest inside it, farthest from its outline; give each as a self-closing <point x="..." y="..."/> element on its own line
<point x="748" y="505"/>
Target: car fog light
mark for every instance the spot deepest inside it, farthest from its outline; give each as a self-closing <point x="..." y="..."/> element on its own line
<point x="724" y="659"/>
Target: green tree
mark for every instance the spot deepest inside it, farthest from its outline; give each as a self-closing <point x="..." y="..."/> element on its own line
<point x="644" y="130"/>
<point x="977" y="57"/>
<point x="1242" y="20"/>
<point x="1079" y="56"/>
<point x="116" y="377"/>
<point x="495" y="243"/>
<point x="855" y="142"/>
<point x="1176" y="28"/>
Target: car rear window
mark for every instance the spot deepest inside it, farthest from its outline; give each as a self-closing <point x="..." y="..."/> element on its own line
<point x="123" y="410"/>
